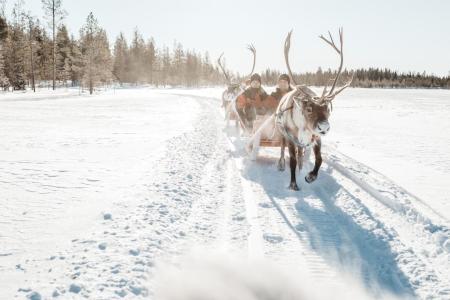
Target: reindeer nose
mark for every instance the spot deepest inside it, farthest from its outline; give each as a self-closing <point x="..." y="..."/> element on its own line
<point x="323" y="127"/>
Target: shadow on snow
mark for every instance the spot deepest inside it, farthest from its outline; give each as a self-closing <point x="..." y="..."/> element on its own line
<point x="330" y="231"/>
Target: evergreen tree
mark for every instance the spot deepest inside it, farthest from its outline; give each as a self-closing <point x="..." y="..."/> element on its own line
<point x="43" y="57"/>
<point x="76" y="68"/>
<point x="121" y="59"/>
<point x="63" y="55"/>
<point x="97" y="63"/>
<point x="177" y="73"/>
<point x="31" y="50"/>
<point x="55" y="14"/>
<point x="137" y="58"/>
<point x="165" y="66"/>
<point x="15" y="45"/>
<point x="4" y="81"/>
<point x="150" y="60"/>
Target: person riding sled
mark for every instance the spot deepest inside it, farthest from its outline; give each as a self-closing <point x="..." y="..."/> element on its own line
<point x="251" y="102"/>
<point x="266" y="133"/>
<point x="283" y="87"/>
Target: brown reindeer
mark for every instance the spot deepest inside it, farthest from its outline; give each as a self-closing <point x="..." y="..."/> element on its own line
<point x="234" y="89"/>
<point x="302" y="116"/>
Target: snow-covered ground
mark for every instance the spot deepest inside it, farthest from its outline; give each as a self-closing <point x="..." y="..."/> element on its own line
<point x="142" y="193"/>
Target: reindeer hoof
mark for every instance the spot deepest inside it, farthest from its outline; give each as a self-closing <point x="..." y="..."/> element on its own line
<point x="281" y="165"/>
<point x="293" y="186"/>
<point x="310" y="177"/>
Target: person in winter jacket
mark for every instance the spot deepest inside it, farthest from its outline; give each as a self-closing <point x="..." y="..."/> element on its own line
<point x="283" y="87"/>
<point x="251" y="102"/>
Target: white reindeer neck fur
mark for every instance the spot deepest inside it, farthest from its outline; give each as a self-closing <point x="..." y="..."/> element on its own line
<point x="295" y="120"/>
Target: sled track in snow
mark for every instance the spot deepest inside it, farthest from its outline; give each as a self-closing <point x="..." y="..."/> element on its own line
<point x="408" y="227"/>
<point x="354" y="222"/>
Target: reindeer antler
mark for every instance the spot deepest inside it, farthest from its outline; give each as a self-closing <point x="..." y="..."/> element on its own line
<point x="223" y="69"/>
<point x="249" y="47"/>
<point x="331" y="94"/>
<point x="253" y="50"/>
<point x="287" y="47"/>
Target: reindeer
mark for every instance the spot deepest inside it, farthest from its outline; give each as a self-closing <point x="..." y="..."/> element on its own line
<point x="234" y="89"/>
<point x="302" y="116"/>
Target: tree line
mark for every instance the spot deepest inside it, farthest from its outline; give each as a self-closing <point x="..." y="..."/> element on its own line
<point x="366" y="78"/>
<point x="42" y="53"/>
<point x="141" y="62"/>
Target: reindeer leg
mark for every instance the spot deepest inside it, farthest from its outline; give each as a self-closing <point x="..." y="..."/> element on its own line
<point x="282" y="161"/>
<point x="300" y="158"/>
<point x="293" y="164"/>
<point x="318" y="162"/>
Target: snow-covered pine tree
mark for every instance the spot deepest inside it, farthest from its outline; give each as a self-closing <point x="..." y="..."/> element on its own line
<point x="97" y="61"/>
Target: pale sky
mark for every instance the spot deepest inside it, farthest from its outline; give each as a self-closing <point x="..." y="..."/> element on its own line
<point x="404" y="35"/>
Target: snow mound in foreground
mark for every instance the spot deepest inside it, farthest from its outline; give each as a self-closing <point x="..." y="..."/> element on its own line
<point x="218" y="277"/>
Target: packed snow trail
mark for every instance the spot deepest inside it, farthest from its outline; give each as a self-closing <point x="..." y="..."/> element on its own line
<point x="177" y="185"/>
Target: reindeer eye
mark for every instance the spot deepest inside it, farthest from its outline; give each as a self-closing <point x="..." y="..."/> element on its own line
<point x="309" y="109"/>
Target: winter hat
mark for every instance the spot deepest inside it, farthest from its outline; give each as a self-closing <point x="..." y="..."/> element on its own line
<point x="285" y="77"/>
<point x="255" y="77"/>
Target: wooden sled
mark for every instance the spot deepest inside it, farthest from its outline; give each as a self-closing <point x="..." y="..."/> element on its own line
<point x="265" y="134"/>
<point x="269" y="143"/>
<point x="264" y="129"/>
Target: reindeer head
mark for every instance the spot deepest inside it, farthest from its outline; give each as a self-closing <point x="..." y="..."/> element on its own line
<point x="316" y="109"/>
